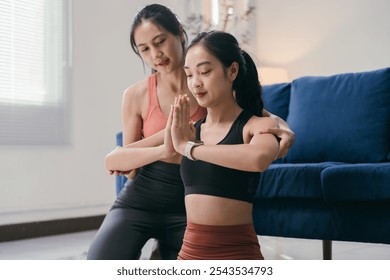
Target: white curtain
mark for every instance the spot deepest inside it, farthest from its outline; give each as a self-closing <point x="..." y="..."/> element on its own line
<point x="34" y="67"/>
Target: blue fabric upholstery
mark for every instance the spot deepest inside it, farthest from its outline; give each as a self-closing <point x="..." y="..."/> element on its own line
<point x="276" y="99"/>
<point x="119" y="139"/>
<point x="297" y="218"/>
<point x="349" y="114"/>
<point x="301" y="180"/>
<point x="357" y="182"/>
<point x="309" y="218"/>
<point x="334" y="184"/>
<point x="119" y="180"/>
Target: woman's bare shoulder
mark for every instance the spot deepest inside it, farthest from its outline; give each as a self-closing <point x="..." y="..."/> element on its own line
<point x="136" y="90"/>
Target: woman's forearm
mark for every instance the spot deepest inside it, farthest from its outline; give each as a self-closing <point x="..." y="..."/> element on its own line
<point x="124" y="159"/>
<point x="242" y="157"/>
<point x="151" y="141"/>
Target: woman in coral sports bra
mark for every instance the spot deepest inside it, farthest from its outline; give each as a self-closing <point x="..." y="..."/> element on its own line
<point x="152" y="204"/>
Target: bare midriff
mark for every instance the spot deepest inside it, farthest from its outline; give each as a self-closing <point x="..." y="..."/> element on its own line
<point x="213" y="210"/>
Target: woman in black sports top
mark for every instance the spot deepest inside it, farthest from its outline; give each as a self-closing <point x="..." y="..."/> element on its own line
<point x="220" y="173"/>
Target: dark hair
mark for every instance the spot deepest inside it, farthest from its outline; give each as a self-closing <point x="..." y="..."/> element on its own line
<point x="159" y="15"/>
<point x="226" y="49"/>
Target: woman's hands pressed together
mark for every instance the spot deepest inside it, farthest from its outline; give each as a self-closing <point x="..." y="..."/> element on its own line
<point x="179" y="129"/>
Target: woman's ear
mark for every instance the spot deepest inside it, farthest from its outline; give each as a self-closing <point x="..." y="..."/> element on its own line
<point x="233" y="71"/>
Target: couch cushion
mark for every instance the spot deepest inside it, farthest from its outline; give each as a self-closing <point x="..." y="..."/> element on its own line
<point x="292" y="181"/>
<point x="357" y="182"/>
<point x="119" y="180"/>
<point x="343" y="118"/>
<point x="276" y="99"/>
<point x="119" y="138"/>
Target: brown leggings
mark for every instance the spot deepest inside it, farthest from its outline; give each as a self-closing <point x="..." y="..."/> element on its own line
<point x="233" y="242"/>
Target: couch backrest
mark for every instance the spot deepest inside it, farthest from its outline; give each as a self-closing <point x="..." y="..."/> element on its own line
<point x="344" y="118"/>
<point x="276" y="99"/>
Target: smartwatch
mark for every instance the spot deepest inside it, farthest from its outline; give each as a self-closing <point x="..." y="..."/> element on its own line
<point x="190" y="145"/>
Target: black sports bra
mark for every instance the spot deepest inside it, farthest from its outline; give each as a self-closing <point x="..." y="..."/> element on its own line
<point x="201" y="177"/>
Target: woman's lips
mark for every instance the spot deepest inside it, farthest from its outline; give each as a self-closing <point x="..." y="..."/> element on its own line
<point x="200" y="94"/>
<point x="163" y="63"/>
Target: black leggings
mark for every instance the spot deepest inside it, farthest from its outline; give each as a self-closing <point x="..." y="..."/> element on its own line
<point x="125" y="231"/>
<point x="151" y="206"/>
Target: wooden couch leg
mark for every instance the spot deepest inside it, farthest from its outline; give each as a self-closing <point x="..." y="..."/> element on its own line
<point x="327" y="249"/>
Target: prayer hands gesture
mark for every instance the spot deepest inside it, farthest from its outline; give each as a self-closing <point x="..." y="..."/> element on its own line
<point x="179" y="129"/>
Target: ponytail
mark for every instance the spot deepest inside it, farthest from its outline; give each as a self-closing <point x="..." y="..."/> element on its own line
<point x="248" y="88"/>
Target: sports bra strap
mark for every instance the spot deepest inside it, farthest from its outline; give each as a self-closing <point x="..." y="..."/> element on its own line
<point x="152" y="90"/>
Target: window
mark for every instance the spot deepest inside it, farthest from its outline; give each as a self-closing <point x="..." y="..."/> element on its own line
<point x="34" y="67"/>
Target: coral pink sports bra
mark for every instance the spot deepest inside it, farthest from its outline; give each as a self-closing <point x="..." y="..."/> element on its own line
<point x="155" y="119"/>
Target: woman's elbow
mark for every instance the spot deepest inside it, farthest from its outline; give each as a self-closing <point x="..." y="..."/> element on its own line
<point x="263" y="161"/>
<point x="108" y="162"/>
<point x="261" y="166"/>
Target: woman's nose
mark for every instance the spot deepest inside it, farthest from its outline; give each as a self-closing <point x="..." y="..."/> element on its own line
<point x="156" y="53"/>
<point x="196" y="84"/>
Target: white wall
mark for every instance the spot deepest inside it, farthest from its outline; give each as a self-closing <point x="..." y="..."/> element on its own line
<point x="42" y="183"/>
<point x="313" y="37"/>
<point x="306" y="37"/>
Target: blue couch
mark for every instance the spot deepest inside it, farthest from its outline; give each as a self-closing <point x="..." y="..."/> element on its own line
<point x="119" y="180"/>
<point x="334" y="184"/>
